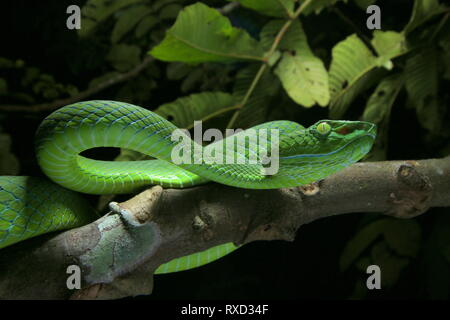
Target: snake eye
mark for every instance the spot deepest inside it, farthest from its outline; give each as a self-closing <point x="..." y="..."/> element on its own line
<point x="323" y="128"/>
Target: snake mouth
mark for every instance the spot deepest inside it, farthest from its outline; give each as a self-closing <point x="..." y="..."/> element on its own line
<point x="370" y="128"/>
<point x="365" y="135"/>
<point x="348" y="128"/>
<point x="360" y="129"/>
<point x="345" y="128"/>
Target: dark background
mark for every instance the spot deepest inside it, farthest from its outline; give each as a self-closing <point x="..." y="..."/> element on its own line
<point x="35" y="32"/>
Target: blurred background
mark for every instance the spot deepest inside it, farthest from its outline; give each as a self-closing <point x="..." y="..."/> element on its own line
<point x="42" y="62"/>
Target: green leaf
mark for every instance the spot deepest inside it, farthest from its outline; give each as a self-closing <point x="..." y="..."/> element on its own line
<point x="256" y="109"/>
<point x="127" y="21"/>
<point x="23" y="97"/>
<point x="72" y="90"/>
<point x="304" y="78"/>
<point x="378" y="111"/>
<point x="171" y="11"/>
<point x="202" y="34"/>
<point x="423" y="11"/>
<point x="422" y="85"/>
<point x="3" y="87"/>
<point x="6" y="63"/>
<point x="317" y="6"/>
<point x="362" y="263"/>
<point x="177" y="70"/>
<point x="393" y="243"/>
<point x="137" y="90"/>
<point x="50" y="93"/>
<point x="274" y="58"/>
<point x="157" y="5"/>
<point x="31" y="74"/>
<point x="146" y="24"/>
<point x="390" y="264"/>
<point x="404" y="237"/>
<point x="19" y="63"/>
<point x="95" y="12"/>
<point x="274" y="8"/>
<point x="354" y="68"/>
<point x="446" y="252"/>
<point x="352" y="71"/>
<point x="445" y="54"/>
<point x="196" y="107"/>
<point x="124" y="57"/>
<point x="9" y="164"/>
<point x="364" y="4"/>
<point x="269" y="32"/>
<point x="359" y="290"/>
<point x="437" y="267"/>
<point x="193" y="80"/>
<point x="131" y="155"/>
<point x="388" y="45"/>
<point x="360" y="242"/>
<point x="302" y="74"/>
<point x="103" y="78"/>
<point x="380" y="103"/>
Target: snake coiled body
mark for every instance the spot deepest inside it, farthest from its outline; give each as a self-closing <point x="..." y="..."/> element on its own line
<point x="32" y="206"/>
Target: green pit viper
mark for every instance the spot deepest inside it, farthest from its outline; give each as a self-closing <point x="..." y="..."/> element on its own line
<point x="32" y="206"/>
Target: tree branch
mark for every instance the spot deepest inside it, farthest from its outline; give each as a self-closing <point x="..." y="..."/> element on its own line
<point x="49" y="106"/>
<point x="119" y="252"/>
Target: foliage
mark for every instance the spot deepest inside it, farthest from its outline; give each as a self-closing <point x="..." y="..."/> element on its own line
<point x="196" y="107"/>
<point x="9" y="164"/>
<point x="302" y="74"/>
<point x="202" y="34"/>
<point x="29" y="84"/>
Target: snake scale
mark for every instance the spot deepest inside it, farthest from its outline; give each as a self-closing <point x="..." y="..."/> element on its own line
<point x="31" y="206"/>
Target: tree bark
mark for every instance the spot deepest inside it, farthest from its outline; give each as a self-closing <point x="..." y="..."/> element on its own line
<point x="119" y="252"/>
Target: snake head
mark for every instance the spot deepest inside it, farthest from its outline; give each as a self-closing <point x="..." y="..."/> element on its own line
<point x="330" y="143"/>
<point x="336" y="136"/>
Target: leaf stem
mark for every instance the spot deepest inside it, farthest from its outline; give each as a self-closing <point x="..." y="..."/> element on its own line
<point x="247" y="94"/>
<point x="440" y="25"/>
<point x="286" y="27"/>
<point x="286" y="10"/>
<point x="228" y="8"/>
<point x="217" y="113"/>
<point x="351" y="24"/>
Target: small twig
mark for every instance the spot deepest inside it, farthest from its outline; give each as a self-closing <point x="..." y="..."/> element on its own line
<point x="440" y="25"/>
<point x="348" y="21"/>
<point x="216" y="114"/>
<point x="288" y="13"/>
<point x="228" y="8"/>
<point x="82" y="95"/>
<point x="247" y="95"/>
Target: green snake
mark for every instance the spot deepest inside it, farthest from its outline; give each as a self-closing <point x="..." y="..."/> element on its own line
<point x="32" y="206"/>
